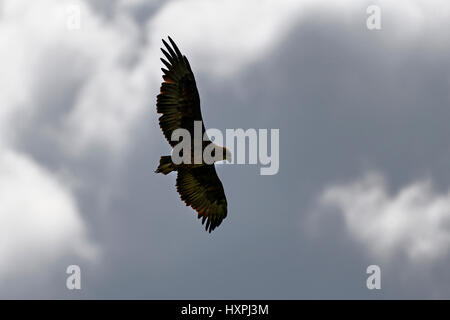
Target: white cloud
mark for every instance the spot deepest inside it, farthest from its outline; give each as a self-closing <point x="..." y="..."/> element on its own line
<point x="220" y="36"/>
<point x="116" y="74"/>
<point x="223" y="36"/>
<point x="114" y="92"/>
<point x="75" y="90"/>
<point x="39" y="52"/>
<point x="41" y="60"/>
<point x="39" y="220"/>
<point x="93" y="83"/>
<point x="415" y="221"/>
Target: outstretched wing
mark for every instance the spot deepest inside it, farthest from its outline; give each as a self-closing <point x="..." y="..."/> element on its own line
<point x="178" y="101"/>
<point x="201" y="189"/>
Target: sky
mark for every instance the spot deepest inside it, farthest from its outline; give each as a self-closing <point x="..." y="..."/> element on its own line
<point x="363" y="143"/>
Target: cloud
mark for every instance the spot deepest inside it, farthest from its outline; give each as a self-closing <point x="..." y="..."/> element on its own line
<point x="223" y="36"/>
<point x="113" y="92"/>
<point x="39" y="219"/>
<point x="83" y="79"/>
<point x="43" y="68"/>
<point x="414" y="222"/>
<point x="64" y="92"/>
<point x="81" y="103"/>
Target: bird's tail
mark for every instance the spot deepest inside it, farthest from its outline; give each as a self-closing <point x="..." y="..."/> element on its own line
<point x="165" y="165"/>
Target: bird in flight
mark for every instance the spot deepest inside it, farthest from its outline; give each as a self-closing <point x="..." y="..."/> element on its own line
<point x="179" y="103"/>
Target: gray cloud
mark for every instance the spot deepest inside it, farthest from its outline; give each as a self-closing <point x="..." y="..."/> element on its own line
<point x="346" y="101"/>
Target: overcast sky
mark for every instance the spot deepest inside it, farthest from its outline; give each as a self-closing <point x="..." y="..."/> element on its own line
<point x="364" y="151"/>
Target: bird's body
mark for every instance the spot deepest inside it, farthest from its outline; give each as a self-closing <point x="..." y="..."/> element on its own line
<point x="179" y="103"/>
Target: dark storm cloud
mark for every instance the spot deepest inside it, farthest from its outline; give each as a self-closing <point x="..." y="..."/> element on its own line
<point x="340" y="107"/>
<point x="345" y="100"/>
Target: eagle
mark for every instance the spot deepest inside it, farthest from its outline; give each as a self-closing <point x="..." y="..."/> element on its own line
<point x="179" y="105"/>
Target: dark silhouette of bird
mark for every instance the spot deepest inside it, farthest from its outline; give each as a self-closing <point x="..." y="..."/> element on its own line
<point x="179" y="105"/>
